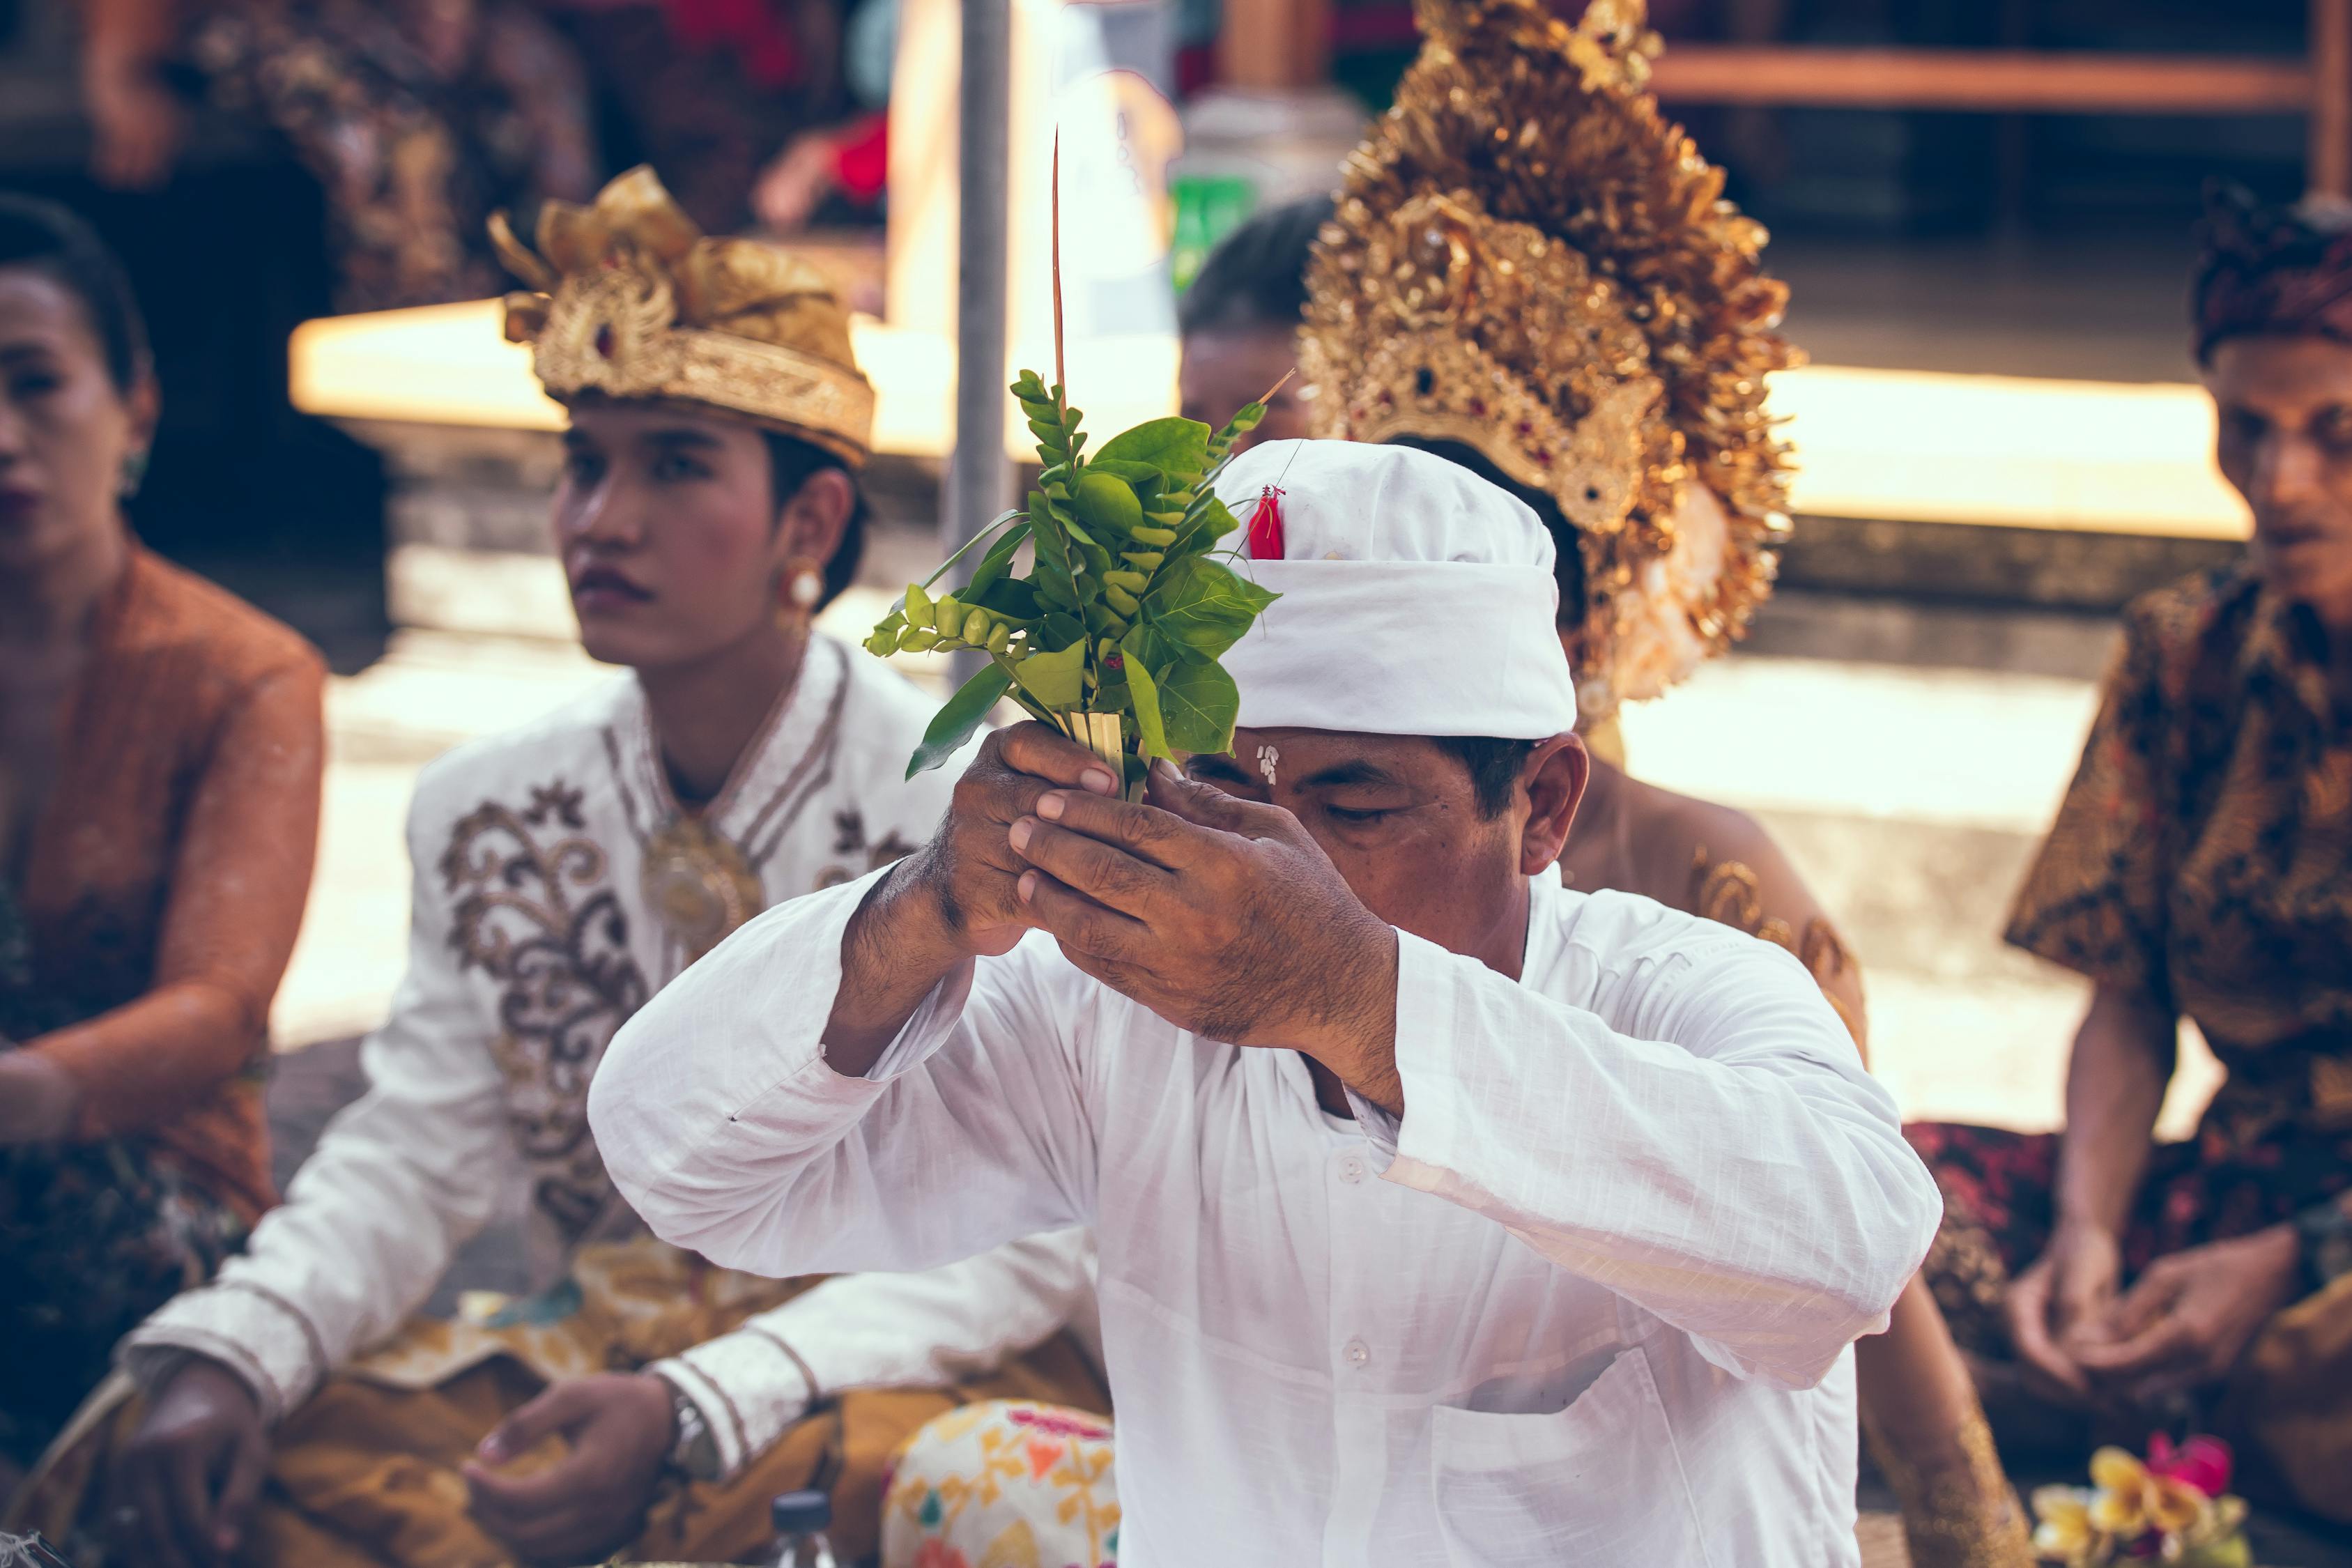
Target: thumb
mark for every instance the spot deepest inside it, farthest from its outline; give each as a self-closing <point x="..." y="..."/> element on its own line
<point x="1209" y="806"/>
<point x="247" y="1466"/>
<point x="558" y="1410"/>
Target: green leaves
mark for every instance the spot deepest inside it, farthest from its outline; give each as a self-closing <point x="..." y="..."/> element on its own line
<point x="1204" y="605"/>
<point x="1198" y="705"/>
<point x="1178" y="449"/>
<point x="1118" y="612"/>
<point x="1056" y="679"/>
<point x="954" y="723"/>
<point x="1143" y="692"/>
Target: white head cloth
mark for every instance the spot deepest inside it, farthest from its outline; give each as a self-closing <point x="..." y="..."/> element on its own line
<point x="1417" y="598"/>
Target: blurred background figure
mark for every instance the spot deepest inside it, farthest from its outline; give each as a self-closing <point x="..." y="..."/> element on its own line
<point x="418" y="119"/>
<point x="161" y="746"/>
<point x="2202" y="867"/>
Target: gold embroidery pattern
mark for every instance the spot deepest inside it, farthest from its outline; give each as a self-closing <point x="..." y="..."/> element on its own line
<point x="1730" y="893"/>
<point x="535" y="913"/>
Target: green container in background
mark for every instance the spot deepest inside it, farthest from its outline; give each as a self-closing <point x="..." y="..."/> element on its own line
<point x="1208" y="208"/>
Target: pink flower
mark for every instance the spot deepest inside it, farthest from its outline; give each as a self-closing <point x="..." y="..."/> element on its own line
<point x="1060" y="1423"/>
<point x="2201" y="1462"/>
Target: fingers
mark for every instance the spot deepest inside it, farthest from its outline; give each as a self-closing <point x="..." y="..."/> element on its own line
<point x="249" y="1465"/>
<point x="2029" y="1329"/>
<point x="1146" y="832"/>
<point x="187" y="1496"/>
<point x="557" y="1408"/>
<point x="2169" y="1338"/>
<point x="511" y="1503"/>
<point x="1104" y="872"/>
<point x="1045" y="753"/>
<point x="1209" y="806"/>
<point x="1078" y="922"/>
<point x="148" y="1521"/>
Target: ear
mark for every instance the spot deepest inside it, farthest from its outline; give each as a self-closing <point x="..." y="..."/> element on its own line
<point x="144" y="404"/>
<point x="1553" y="780"/>
<point x="810" y="525"/>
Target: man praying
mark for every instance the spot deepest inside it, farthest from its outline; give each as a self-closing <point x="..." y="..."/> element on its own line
<point x="1445" y="1213"/>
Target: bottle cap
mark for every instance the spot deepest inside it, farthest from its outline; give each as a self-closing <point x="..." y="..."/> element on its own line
<point x="797" y="1514"/>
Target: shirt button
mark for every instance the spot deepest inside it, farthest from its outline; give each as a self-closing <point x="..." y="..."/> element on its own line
<point x="1358" y="1353"/>
<point x="1351" y="1170"/>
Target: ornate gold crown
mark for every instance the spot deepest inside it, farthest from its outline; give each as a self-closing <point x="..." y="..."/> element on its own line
<point x="1526" y="258"/>
<point x="634" y="301"/>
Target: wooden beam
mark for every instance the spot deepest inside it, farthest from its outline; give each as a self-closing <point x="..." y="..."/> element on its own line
<point x="2327" y="168"/>
<point x="1997" y="80"/>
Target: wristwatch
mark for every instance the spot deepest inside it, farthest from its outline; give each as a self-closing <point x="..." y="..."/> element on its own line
<point x="695" y="1454"/>
<point x="2324" y="1233"/>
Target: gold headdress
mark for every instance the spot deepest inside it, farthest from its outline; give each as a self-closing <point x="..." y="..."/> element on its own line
<point x="634" y="301"/>
<point x="1526" y="258"/>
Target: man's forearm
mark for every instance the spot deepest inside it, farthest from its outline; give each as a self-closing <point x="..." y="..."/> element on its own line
<point x="895" y="951"/>
<point x="2123" y="1059"/>
<point x="1362" y="1025"/>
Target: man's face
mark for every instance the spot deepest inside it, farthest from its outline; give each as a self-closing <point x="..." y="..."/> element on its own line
<point x="669" y="527"/>
<point x="1399" y="818"/>
<point x="2285" y="411"/>
<point x="1227" y="370"/>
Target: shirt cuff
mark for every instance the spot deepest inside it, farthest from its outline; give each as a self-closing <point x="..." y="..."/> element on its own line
<point x="749" y="1388"/>
<point x="255" y="1333"/>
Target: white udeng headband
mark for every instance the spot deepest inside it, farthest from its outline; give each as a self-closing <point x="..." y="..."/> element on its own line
<point x="1405" y="648"/>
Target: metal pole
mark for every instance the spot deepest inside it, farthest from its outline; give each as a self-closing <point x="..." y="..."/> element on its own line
<point x="980" y="477"/>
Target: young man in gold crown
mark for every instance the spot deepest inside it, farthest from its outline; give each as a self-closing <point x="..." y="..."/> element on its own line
<point x="294" y="1411"/>
<point x="1529" y="271"/>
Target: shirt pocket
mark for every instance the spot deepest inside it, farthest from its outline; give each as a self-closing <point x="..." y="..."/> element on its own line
<point x="1598" y="1482"/>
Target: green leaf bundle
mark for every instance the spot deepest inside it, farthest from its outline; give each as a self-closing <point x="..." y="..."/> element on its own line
<point x="1113" y="634"/>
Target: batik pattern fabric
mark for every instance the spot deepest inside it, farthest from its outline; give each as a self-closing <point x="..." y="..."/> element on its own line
<point x="1006" y="1484"/>
<point x="2202" y="859"/>
<point x="109" y="1231"/>
<point x="414" y="139"/>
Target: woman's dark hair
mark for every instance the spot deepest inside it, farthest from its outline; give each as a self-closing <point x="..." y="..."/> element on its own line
<point x="792" y="463"/>
<point x="1256" y="276"/>
<point x="1568" y="558"/>
<point x="51" y="240"/>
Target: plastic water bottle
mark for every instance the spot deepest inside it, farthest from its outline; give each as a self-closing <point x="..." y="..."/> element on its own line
<point x="800" y="1519"/>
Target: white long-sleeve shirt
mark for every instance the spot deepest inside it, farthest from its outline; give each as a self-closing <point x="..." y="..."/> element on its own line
<point x="1591" y="1301"/>
<point x="532" y="938"/>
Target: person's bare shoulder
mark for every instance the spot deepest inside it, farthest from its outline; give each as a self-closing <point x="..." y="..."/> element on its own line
<point x="1720" y="863"/>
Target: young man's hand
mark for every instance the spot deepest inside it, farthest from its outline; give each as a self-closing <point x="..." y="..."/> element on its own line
<point x="1222" y="915"/>
<point x="184" y="1482"/>
<point x="591" y="1502"/>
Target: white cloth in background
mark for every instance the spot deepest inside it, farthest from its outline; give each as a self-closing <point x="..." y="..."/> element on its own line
<point x="1590" y="1302"/>
<point x="1417" y="598"/>
<point x="531" y="942"/>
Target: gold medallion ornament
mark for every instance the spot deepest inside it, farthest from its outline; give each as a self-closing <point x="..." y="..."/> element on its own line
<point x="1526" y="258"/>
<point x="698" y="884"/>
<point x="634" y="301"/>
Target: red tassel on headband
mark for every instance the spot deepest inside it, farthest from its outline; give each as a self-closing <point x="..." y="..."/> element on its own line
<point x="1265" y="542"/>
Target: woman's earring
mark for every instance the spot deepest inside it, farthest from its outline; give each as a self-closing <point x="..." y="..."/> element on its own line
<point x="797" y="592"/>
<point x="134" y="473"/>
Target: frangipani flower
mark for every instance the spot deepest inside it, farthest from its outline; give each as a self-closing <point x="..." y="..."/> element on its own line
<point x="2158" y="1509"/>
<point x="2066" y="1533"/>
